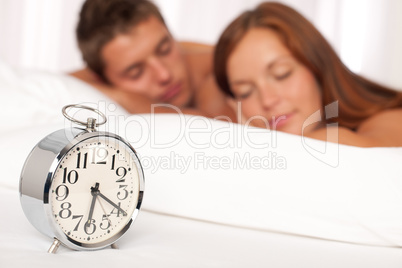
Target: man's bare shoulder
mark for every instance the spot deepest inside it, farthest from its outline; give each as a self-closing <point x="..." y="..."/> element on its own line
<point x="199" y="59"/>
<point x="89" y="77"/>
<point x="195" y="48"/>
<point x="86" y="75"/>
<point x="198" y="55"/>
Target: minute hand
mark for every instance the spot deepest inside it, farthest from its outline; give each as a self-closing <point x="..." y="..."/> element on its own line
<point x="112" y="203"/>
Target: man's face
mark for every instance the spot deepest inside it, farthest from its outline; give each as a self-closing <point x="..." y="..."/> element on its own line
<point x="148" y="61"/>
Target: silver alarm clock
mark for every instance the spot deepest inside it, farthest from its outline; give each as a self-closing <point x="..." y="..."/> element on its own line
<point x="82" y="187"/>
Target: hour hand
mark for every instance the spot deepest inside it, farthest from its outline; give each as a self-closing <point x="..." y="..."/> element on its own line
<point x="112" y="203"/>
<point x="94" y="192"/>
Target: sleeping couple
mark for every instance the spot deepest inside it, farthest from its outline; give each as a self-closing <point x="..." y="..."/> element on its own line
<point x="270" y="62"/>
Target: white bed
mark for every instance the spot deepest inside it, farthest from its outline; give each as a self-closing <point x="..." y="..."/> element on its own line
<point x="319" y="205"/>
<point x="158" y="240"/>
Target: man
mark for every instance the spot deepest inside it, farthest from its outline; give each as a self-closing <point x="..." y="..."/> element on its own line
<point x="132" y="58"/>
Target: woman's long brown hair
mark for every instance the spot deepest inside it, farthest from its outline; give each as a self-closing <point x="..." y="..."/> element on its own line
<point x="358" y="98"/>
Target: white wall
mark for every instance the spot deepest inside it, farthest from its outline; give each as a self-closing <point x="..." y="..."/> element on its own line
<point x="39" y="34"/>
<point x="367" y="34"/>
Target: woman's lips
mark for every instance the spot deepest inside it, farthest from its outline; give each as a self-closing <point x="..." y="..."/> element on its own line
<point x="279" y="121"/>
<point x="172" y="92"/>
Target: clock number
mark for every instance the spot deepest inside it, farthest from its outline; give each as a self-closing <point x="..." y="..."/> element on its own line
<point x="76" y="217"/>
<point x="61" y="195"/>
<point x="121" y="172"/>
<point x="113" y="160"/>
<point x="84" y="166"/>
<point x="124" y="194"/>
<point x="105" y="218"/>
<point x="90" y="227"/>
<point x="65" y="208"/>
<point x="118" y="210"/>
<point x="71" y="177"/>
<point x="99" y="155"/>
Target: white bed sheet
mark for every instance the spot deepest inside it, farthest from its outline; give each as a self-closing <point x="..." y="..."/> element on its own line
<point x="157" y="240"/>
<point x="359" y="201"/>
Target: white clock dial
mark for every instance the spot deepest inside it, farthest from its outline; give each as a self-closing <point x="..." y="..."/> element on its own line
<point x="95" y="190"/>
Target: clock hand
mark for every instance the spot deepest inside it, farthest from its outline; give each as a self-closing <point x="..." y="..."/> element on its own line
<point x="112" y="203"/>
<point x="104" y="211"/>
<point x="94" y="192"/>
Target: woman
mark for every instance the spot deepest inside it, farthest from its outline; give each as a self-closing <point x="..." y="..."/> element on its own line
<point x="286" y="76"/>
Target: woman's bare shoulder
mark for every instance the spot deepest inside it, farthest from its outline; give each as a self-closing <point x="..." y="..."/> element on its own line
<point x="381" y="130"/>
<point x="386" y="118"/>
<point x="385" y="127"/>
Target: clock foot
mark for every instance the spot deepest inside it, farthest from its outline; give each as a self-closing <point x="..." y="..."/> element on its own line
<point x="54" y="247"/>
<point x="114" y="246"/>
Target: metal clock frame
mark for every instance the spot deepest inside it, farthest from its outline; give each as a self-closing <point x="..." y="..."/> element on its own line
<point x="37" y="177"/>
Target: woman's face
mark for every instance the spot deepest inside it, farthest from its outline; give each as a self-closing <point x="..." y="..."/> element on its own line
<point x="275" y="90"/>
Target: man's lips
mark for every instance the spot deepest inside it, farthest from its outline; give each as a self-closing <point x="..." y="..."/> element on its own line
<point x="172" y="92"/>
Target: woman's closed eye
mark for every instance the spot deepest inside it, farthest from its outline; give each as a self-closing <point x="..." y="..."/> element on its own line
<point x="282" y="75"/>
<point x="243" y="92"/>
<point x="281" y="71"/>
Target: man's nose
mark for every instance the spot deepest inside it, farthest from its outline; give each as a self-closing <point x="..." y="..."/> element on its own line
<point x="161" y="72"/>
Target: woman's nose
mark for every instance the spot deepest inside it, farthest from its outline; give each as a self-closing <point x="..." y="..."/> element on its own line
<point x="269" y="97"/>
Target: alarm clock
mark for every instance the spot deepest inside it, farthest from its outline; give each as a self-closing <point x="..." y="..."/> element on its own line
<point x="82" y="187"/>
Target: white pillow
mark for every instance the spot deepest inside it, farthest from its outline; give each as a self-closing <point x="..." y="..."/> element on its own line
<point x="32" y="98"/>
<point x="267" y="180"/>
<point x="221" y="172"/>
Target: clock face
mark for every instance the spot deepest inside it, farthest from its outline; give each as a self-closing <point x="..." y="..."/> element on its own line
<point x="95" y="190"/>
